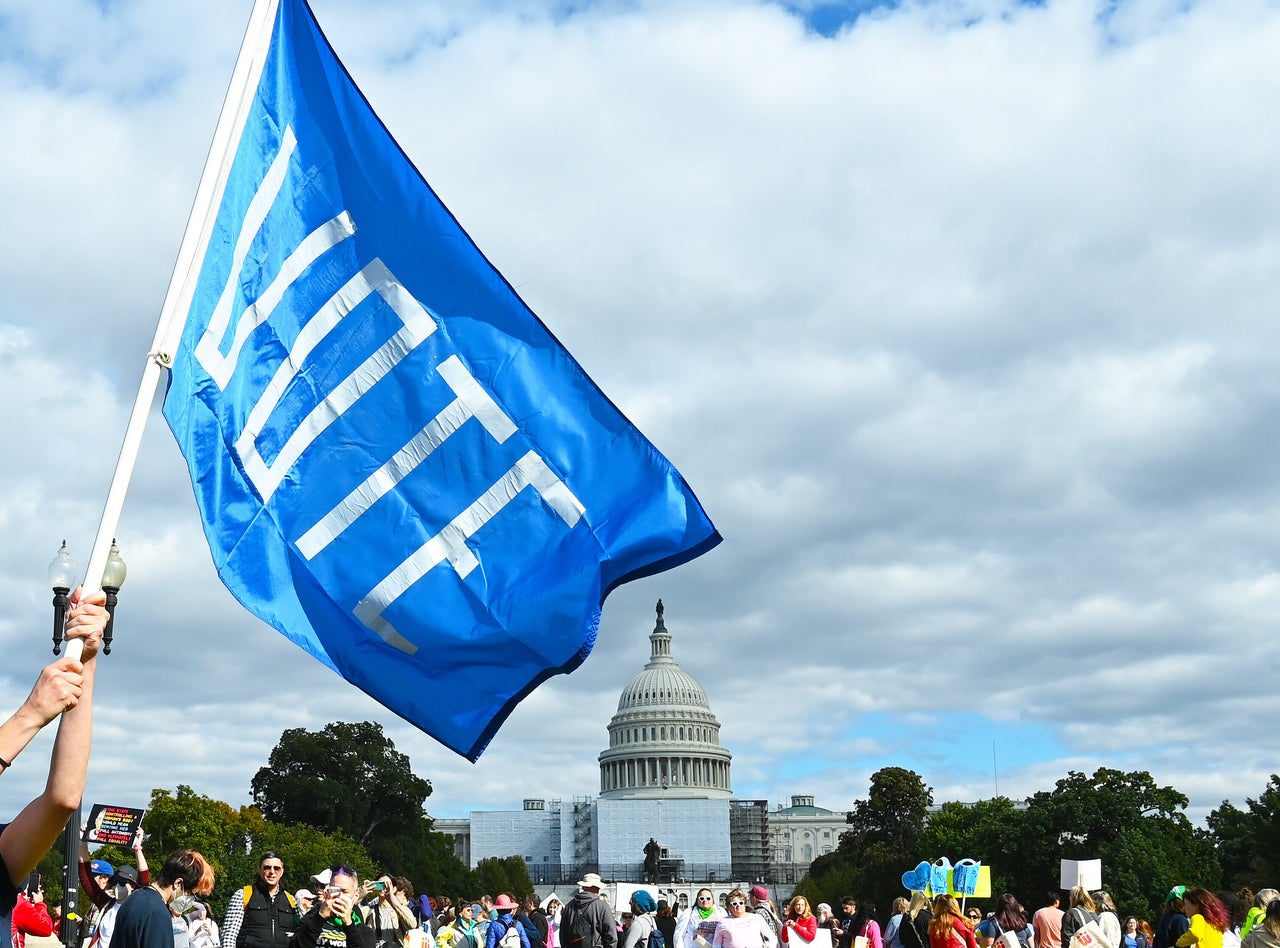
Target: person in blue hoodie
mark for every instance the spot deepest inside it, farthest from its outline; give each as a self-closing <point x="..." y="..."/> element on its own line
<point x="505" y="908"/>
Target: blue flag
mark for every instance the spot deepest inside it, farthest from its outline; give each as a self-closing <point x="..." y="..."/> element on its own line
<point x="398" y="466"/>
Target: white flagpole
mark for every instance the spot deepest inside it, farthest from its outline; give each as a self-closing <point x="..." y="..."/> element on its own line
<point x="182" y="283"/>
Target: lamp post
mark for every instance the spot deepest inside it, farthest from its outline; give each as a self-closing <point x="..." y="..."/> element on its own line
<point x="61" y="578"/>
<point x="112" y="579"/>
<point x="62" y="574"/>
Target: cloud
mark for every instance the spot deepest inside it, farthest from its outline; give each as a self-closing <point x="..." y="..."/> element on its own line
<point x="959" y="320"/>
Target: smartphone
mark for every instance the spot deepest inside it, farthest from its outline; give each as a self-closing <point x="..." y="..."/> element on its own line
<point x="33" y="884"/>
<point x="332" y="892"/>
<point x="379" y="886"/>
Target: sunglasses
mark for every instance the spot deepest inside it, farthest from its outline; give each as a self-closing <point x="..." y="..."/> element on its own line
<point x="273" y="868"/>
<point x="738" y="903"/>
<point x="705" y="898"/>
<point x="975" y="916"/>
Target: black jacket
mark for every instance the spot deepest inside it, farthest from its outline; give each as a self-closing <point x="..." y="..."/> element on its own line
<point x="268" y="922"/>
<point x="914" y="933"/>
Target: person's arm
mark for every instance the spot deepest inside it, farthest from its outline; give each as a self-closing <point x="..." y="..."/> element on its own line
<point x="1070" y="922"/>
<point x="31" y="918"/>
<point x="984" y="933"/>
<point x="807" y="928"/>
<point x="967" y="933"/>
<point x="88" y="884"/>
<point x="235" y="918"/>
<point x="67" y="689"/>
<point x="407" y="921"/>
<point x="891" y="929"/>
<point x="57" y="689"/>
<point x="144" y="873"/>
<point x="873" y="934"/>
<point x="609" y="937"/>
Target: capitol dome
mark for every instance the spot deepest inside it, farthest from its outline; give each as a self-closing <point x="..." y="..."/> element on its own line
<point x="664" y="742"/>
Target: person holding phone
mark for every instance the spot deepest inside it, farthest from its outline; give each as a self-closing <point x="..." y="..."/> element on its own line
<point x="336" y="921"/>
<point x="387" y="914"/>
<point x="30" y="914"/>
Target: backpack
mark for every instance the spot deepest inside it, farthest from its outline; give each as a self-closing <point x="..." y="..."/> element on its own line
<point x="248" y="894"/>
<point x="511" y="937"/>
<point x="582" y="933"/>
<point x="656" y="940"/>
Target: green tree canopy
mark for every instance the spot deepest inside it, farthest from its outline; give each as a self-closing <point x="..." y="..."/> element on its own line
<point x="983" y="831"/>
<point x="883" y="841"/>
<point x="1136" y="827"/>
<point x="506" y="874"/>
<point x="350" y="779"/>
<point x="1248" y="841"/>
<point x="346" y="776"/>
<point x="233" y="841"/>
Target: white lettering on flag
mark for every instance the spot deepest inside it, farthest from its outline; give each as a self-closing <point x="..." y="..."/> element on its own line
<point x="328" y="235"/>
<point x="472" y="401"/>
<point x="418" y="325"/>
<point x="450" y="543"/>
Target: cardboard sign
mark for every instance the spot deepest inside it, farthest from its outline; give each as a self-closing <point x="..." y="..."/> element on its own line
<point x="976" y="885"/>
<point x="981" y="889"/>
<point x="112" y="824"/>
<point x="1082" y="872"/>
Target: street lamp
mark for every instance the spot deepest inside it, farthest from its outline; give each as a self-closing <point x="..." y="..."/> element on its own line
<point x="112" y="579"/>
<point x="61" y="578"/>
<point x="62" y="573"/>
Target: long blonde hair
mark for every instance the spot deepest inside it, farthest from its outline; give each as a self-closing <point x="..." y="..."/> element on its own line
<point x="1080" y="898"/>
<point x="918" y="901"/>
<point x="945" y="908"/>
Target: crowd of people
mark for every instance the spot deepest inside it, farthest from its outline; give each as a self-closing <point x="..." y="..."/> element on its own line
<point x="1192" y="918"/>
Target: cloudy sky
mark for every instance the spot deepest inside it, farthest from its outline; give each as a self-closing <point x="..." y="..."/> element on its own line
<point x="958" y="315"/>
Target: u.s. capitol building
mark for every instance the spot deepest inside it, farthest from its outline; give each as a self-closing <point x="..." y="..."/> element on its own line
<point x="663" y="776"/>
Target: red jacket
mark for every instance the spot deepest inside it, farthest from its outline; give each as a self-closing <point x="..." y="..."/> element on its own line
<point x="806" y="927"/>
<point x="29" y="918"/>
<point x="960" y="930"/>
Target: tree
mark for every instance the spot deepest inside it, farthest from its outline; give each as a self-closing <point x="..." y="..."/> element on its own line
<point x="894" y="812"/>
<point x="349" y="778"/>
<point x="507" y="874"/>
<point x="1137" y="828"/>
<point x="982" y="831"/>
<point x="883" y="841"/>
<point x="1247" y="840"/>
<point x="233" y="840"/>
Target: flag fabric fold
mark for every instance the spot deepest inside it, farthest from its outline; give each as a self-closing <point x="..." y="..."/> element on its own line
<point x="397" y="465"/>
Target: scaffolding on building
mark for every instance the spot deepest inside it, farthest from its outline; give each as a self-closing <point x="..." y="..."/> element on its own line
<point x="749" y="839"/>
